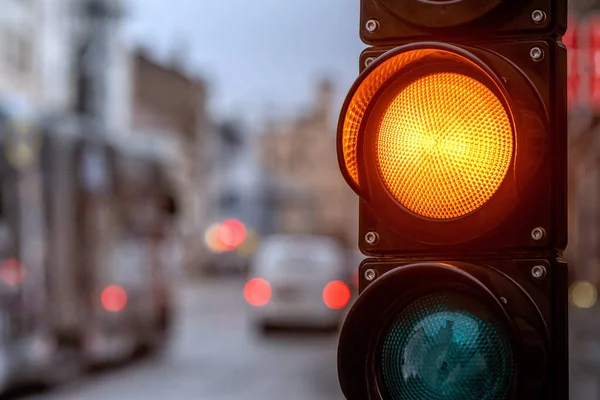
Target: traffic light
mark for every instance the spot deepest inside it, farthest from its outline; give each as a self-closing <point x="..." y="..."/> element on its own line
<point x="454" y="138"/>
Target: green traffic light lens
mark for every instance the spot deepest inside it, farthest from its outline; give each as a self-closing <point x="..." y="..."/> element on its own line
<point x="446" y="346"/>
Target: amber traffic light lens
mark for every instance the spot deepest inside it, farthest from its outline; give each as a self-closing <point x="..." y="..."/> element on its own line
<point x="444" y="145"/>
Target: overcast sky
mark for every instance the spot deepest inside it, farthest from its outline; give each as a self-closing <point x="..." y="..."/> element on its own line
<point x="258" y="55"/>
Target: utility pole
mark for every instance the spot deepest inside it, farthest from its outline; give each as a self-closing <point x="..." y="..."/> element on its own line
<point x="96" y="21"/>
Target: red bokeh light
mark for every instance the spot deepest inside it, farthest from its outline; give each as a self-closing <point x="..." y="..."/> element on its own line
<point x="231" y="234"/>
<point x="12" y="272"/>
<point x="336" y="295"/>
<point x="114" y="298"/>
<point x="257" y="292"/>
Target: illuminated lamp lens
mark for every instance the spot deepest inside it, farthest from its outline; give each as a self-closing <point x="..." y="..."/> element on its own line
<point x="114" y="298"/>
<point x="212" y="240"/>
<point x="232" y="233"/>
<point x="257" y="292"/>
<point x="12" y="272"/>
<point x="336" y="295"/>
<point x="436" y="349"/>
<point x="439" y="116"/>
<point x="444" y="145"/>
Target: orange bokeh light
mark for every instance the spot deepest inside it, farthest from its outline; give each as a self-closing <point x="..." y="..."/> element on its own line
<point x="211" y="238"/>
<point x="257" y="292"/>
<point x="336" y="295"/>
<point x="114" y="298"/>
<point x="444" y="145"/>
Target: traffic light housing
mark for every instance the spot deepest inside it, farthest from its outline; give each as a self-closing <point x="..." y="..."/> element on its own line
<point x="454" y="138"/>
<point x="511" y="336"/>
<point x="385" y="22"/>
<point x="506" y="209"/>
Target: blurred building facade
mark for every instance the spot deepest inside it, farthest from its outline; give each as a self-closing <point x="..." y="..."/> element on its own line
<point x="36" y="52"/>
<point x="583" y="251"/>
<point x="300" y="159"/>
<point x="169" y="104"/>
<point x="42" y="43"/>
<point x="70" y="59"/>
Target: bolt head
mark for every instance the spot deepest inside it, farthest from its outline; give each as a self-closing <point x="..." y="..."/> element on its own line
<point x="371" y="275"/>
<point x="539" y="272"/>
<point x="538" y="16"/>
<point x="372" y="26"/>
<point x="372" y="238"/>
<point x="538" y="233"/>
<point x="536" y="54"/>
<point x="369" y="61"/>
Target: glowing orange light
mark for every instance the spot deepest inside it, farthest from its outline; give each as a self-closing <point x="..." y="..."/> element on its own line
<point x="12" y="272"/>
<point x="336" y="295"/>
<point x="212" y="240"/>
<point x="232" y="234"/>
<point x="114" y="298"/>
<point x="453" y="98"/>
<point x="444" y="145"/>
<point x="361" y="100"/>
<point x="257" y="292"/>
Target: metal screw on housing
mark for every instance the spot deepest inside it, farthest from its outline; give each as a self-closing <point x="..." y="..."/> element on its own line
<point x="538" y="233"/>
<point x="369" y="61"/>
<point x="539" y="272"/>
<point x="504" y="300"/>
<point x="538" y="16"/>
<point x="372" y="238"/>
<point x="536" y="54"/>
<point x="372" y="26"/>
<point x="371" y="275"/>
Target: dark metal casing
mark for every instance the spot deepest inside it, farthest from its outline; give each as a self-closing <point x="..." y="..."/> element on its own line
<point x="533" y="310"/>
<point x="398" y="21"/>
<point x="534" y="191"/>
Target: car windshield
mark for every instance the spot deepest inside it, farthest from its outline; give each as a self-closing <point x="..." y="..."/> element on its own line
<point x="297" y="254"/>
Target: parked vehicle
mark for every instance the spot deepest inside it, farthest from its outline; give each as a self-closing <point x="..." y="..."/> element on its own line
<point x="298" y="281"/>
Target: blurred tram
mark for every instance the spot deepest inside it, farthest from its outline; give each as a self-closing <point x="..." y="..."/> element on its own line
<point x="110" y="212"/>
<point x="85" y="225"/>
<point x="26" y="342"/>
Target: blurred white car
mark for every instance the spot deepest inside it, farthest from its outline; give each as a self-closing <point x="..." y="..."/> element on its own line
<point x="297" y="281"/>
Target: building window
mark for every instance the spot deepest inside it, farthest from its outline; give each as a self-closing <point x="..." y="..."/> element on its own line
<point x="17" y="54"/>
<point x="229" y="202"/>
<point x="4" y="45"/>
<point x="23" y="54"/>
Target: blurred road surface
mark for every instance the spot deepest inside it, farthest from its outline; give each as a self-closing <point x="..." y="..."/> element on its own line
<point x="215" y="355"/>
